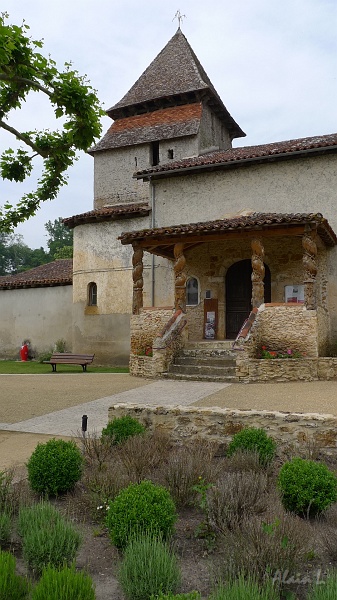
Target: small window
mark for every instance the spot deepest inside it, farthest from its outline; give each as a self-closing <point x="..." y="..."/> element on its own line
<point x="170" y="153"/>
<point x="154" y="154"/>
<point x="92" y="294"/>
<point x="192" y="292"/>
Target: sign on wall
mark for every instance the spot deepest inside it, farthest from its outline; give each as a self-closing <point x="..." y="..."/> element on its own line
<point x="294" y="293"/>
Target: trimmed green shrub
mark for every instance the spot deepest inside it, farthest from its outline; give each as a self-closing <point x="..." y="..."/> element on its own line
<point x="5" y="529"/>
<point x="138" y="508"/>
<point x="307" y="487"/>
<point x="255" y="440"/>
<point x="149" y="567"/>
<point x="326" y="591"/>
<point x="55" y="467"/>
<point x="245" y="588"/>
<point x="188" y="596"/>
<point x="65" y="584"/>
<point x="120" y="429"/>
<point x="12" y="586"/>
<point x="47" y="538"/>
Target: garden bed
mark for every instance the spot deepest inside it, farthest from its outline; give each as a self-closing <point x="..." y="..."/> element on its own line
<point x="299" y="551"/>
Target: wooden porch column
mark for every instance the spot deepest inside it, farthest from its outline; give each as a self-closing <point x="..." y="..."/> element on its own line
<point x="180" y="277"/>
<point x="310" y="269"/>
<point x="257" y="272"/>
<point x="137" y="275"/>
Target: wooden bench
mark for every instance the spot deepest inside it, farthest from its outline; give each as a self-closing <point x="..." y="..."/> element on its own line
<point x="67" y="358"/>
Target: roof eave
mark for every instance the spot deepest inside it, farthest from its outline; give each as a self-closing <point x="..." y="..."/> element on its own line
<point x="236" y="163"/>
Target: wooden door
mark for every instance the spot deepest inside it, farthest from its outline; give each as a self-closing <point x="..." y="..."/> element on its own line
<point x="239" y="295"/>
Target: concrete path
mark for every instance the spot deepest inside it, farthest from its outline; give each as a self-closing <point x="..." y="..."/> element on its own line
<point x="67" y="422"/>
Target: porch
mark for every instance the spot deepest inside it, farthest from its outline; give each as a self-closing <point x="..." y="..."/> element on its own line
<point x="287" y="254"/>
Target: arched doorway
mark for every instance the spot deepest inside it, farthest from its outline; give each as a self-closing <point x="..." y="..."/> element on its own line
<point x="238" y="288"/>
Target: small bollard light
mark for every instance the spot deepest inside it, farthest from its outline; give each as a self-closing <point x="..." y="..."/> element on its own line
<point x="84" y="423"/>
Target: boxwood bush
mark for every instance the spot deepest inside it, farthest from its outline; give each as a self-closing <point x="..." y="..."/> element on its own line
<point x="120" y="429"/>
<point x="141" y="507"/>
<point x="255" y="440"/>
<point x="55" y="467"/>
<point x="307" y="487"/>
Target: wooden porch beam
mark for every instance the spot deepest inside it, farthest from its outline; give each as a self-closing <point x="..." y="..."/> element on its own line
<point x="148" y="242"/>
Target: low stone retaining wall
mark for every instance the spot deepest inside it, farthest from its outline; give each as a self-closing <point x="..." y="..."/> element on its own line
<point x="219" y="425"/>
<point x="285" y="369"/>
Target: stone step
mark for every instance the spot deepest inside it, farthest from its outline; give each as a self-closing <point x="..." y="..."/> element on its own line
<point x="208" y="352"/>
<point x="185" y="377"/>
<point x="198" y="356"/>
<point x="209" y="361"/>
<point x="202" y="370"/>
<point x="210" y="345"/>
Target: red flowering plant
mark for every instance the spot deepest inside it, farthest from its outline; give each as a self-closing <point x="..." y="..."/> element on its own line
<point x="146" y="351"/>
<point x="264" y="352"/>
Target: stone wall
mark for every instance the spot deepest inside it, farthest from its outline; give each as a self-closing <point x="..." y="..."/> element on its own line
<point x="187" y="424"/>
<point x="145" y="328"/>
<point x="284" y="326"/>
<point x="281" y="370"/>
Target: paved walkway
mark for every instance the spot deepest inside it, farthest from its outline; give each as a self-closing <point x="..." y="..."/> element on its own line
<point x="34" y="408"/>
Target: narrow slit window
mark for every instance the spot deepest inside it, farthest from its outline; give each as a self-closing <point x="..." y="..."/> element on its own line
<point x="154" y="154"/>
<point x="192" y="291"/>
<point x="170" y="153"/>
<point x="92" y="294"/>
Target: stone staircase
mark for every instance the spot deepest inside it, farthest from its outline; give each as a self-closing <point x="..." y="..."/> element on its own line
<point x="204" y="361"/>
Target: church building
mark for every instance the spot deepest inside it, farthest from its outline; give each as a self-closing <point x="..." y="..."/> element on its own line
<point x="192" y="241"/>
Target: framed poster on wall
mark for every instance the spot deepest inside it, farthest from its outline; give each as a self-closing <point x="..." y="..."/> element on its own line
<point x="294" y="293"/>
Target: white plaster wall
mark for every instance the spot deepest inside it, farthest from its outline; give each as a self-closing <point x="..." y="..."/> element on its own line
<point x="42" y="315"/>
<point x="302" y="185"/>
<point x="212" y="134"/>
<point x="100" y="257"/>
<point x="114" y="169"/>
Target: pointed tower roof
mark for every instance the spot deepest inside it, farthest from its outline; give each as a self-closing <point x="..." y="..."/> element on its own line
<point x="174" y="77"/>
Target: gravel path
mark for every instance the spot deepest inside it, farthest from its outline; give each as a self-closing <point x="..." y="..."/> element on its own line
<point x="34" y="408"/>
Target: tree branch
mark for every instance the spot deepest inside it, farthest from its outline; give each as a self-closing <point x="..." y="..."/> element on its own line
<point x="30" y="82"/>
<point x="23" y="138"/>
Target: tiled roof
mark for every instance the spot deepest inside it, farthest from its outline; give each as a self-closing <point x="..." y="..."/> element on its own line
<point x="162" y="124"/>
<point x="109" y="213"/>
<point x="238" y="156"/>
<point x="253" y="221"/>
<point x="175" y="73"/>
<point x="59" y="272"/>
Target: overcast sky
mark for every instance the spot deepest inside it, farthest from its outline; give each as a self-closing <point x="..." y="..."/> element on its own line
<point x="273" y="62"/>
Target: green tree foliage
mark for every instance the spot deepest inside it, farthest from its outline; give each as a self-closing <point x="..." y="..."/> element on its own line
<point x="16" y="256"/>
<point x="60" y="241"/>
<point x="24" y="70"/>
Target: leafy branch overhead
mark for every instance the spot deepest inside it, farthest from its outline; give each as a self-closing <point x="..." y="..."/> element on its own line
<point x="24" y="70"/>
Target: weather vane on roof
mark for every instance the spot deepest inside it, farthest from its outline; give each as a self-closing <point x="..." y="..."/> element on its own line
<point x="179" y="16"/>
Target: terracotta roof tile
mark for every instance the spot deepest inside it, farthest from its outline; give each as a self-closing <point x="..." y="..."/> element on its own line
<point x="166" y="123"/>
<point x="59" y="272"/>
<point x="253" y="221"/>
<point x="109" y="213"/>
<point x="237" y="156"/>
